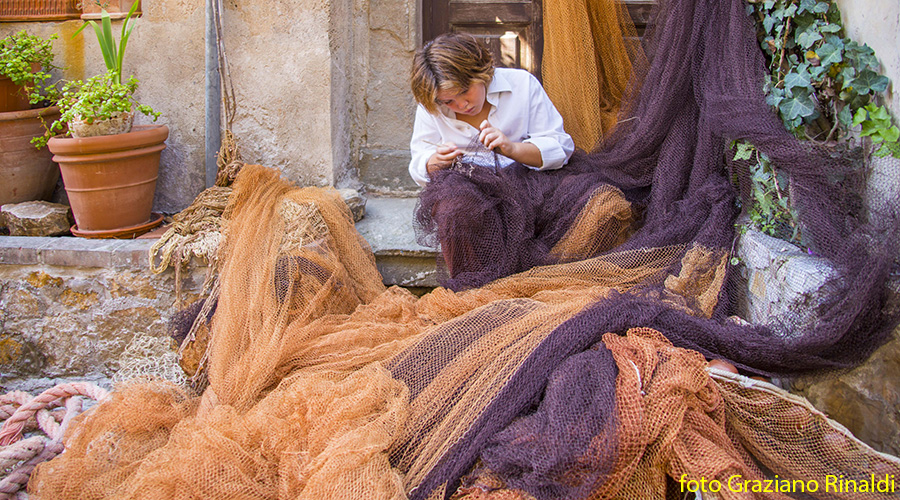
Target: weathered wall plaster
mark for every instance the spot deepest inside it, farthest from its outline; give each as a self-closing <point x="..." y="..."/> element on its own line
<point x="294" y="67"/>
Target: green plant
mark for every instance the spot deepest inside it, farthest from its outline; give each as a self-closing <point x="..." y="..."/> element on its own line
<point x="770" y="210"/>
<point x="113" y="54"/>
<point x="823" y="85"/>
<point x="818" y="79"/>
<point x="98" y="98"/>
<point x="875" y="123"/>
<point x="18" y="53"/>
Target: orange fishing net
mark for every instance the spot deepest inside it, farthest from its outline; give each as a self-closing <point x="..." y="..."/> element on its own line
<point x="324" y="384"/>
<point x="591" y="51"/>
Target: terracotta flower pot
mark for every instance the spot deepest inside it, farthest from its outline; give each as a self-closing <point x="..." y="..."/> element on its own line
<point x="117" y="9"/>
<point x="27" y="173"/>
<point x="110" y="180"/>
<point x="12" y="97"/>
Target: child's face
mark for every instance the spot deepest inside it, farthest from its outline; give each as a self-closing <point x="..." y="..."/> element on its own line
<point x="469" y="102"/>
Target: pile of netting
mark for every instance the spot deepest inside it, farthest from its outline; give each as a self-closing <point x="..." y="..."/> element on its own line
<point x="568" y="360"/>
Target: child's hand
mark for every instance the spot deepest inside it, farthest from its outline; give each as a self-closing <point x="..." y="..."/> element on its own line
<point x="495" y="140"/>
<point x="443" y="157"/>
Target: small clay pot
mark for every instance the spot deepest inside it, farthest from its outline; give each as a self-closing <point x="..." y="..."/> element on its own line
<point x="119" y="123"/>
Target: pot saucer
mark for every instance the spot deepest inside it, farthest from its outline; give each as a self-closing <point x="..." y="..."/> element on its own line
<point x="121" y="233"/>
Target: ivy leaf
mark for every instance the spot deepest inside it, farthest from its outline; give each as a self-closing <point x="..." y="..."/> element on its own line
<point x="799" y="78"/>
<point x="768" y="23"/>
<point x="848" y="74"/>
<point x="744" y="151"/>
<point x="829" y="54"/>
<point x="807" y="38"/>
<point x="845" y="116"/>
<point x="807" y="6"/>
<point x="821" y="7"/>
<point x="775" y="98"/>
<point x="891" y="135"/>
<point x="782" y="180"/>
<point x="869" y="81"/>
<point x="798" y="106"/>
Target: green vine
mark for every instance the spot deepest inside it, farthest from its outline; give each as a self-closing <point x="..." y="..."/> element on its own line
<point x="823" y="86"/>
<point x="18" y="53"/>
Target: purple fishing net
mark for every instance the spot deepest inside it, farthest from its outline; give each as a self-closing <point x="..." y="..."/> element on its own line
<point x="703" y="89"/>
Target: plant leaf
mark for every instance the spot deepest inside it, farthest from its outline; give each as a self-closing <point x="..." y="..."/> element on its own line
<point x="829" y="54"/>
<point x="799" y="106"/>
<point x="869" y="81"/>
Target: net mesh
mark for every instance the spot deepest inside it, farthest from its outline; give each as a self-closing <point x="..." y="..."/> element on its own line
<point x="591" y="50"/>
<point x="565" y="358"/>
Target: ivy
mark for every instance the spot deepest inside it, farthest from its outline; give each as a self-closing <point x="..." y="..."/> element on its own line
<point x="770" y="210"/>
<point x="818" y="79"/>
<point x="824" y="87"/>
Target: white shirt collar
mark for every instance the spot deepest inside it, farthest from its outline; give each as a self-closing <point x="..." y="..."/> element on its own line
<point x="499" y="84"/>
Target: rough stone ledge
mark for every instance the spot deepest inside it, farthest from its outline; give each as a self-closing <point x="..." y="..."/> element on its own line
<point x="70" y="251"/>
<point x="387" y="226"/>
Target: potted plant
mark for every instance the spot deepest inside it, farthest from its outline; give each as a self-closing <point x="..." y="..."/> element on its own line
<point x="109" y="169"/>
<point x="27" y="173"/>
<point x="23" y="59"/>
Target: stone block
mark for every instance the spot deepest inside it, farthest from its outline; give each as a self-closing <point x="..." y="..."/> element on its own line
<point x="786" y="286"/>
<point x="866" y="400"/>
<point x="356" y="201"/>
<point x="23" y="250"/>
<point x="36" y="218"/>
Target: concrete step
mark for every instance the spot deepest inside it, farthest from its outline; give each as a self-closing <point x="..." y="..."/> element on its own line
<point x="387" y="227"/>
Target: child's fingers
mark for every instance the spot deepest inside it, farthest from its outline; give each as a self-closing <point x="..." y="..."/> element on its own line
<point x="446" y="148"/>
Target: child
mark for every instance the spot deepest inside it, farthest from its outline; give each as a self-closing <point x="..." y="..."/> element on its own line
<point x="490" y="222"/>
<point x="463" y="98"/>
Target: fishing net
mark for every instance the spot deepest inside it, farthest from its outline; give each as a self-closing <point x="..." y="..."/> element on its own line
<point x="567" y="361"/>
<point x="591" y="51"/>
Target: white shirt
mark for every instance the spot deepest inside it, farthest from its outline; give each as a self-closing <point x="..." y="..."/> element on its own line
<point x="519" y="107"/>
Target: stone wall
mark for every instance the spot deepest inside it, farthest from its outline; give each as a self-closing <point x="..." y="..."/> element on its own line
<point x="784" y="287"/>
<point x="394" y="34"/>
<point x="70" y="310"/>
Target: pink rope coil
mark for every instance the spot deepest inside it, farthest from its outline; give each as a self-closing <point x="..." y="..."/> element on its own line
<point x="19" y="457"/>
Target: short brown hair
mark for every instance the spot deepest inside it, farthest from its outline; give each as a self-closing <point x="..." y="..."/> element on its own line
<point x="452" y="61"/>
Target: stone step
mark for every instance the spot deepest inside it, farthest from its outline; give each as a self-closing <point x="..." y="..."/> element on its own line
<point x="387" y="226"/>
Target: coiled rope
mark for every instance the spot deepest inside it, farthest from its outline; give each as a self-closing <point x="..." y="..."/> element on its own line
<point x="50" y="414"/>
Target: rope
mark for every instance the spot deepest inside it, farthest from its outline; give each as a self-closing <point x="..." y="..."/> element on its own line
<point x="19" y="457"/>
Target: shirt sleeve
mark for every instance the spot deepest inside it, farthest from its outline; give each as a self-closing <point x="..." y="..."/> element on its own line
<point x="424" y="129"/>
<point x="545" y="129"/>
